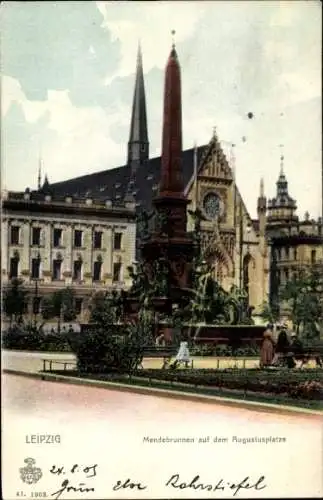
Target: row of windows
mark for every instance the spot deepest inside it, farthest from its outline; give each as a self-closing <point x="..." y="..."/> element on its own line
<point x="286" y="253"/>
<point x="291" y="253"/>
<point x="36" y="305"/>
<point x="57" y="237"/>
<point x="77" y="273"/>
<point x="284" y="275"/>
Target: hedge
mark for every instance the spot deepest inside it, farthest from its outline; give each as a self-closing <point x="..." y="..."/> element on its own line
<point x="224" y="350"/>
<point x="307" y="384"/>
<point x="33" y="340"/>
<point x="282" y="386"/>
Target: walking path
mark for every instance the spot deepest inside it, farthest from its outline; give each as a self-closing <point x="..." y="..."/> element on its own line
<point x="32" y="361"/>
<point x="148" y="438"/>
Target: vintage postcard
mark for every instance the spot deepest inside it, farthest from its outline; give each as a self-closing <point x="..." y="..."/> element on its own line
<point x="161" y="250"/>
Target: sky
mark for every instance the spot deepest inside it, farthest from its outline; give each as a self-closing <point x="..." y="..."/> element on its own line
<point x="68" y="72"/>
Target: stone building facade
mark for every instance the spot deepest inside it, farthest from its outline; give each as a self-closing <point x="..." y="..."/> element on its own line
<point x="245" y="252"/>
<point x="52" y="242"/>
<point x="295" y="244"/>
<point x="235" y="247"/>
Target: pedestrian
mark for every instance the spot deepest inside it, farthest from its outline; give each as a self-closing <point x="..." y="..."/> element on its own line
<point x="160" y="340"/>
<point x="183" y="355"/>
<point x="296" y="345"/>
<point x="296" y="349"/>
<point x="267" y="349"/>
<point x="283" y="354"/>
<point x="282" y="344"/>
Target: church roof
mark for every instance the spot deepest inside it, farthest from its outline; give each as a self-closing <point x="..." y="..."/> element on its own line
<point x="115" y="183"/>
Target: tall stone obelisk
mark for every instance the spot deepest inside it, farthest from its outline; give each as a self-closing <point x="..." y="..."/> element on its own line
<point x="169" y="241"/>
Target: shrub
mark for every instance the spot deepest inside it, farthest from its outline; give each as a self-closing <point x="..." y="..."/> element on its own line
<point x="100" y="350"/>
<point x="31" y="339"/>
<point x="224" y="350"/>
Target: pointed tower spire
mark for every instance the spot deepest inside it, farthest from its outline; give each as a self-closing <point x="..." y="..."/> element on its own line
<point x="282" y="206"/>
<point x="46" y="182"/>
<point x="138" y="145"/>
<point x="281" y="160"/>
<point x="262" y="202"/>
<point x="39" y="174"/>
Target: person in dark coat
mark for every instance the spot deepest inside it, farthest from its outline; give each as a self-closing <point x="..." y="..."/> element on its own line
<point x="284" y="355"/>
<point x="296" y="346"/>
<point x="282" y="345"/>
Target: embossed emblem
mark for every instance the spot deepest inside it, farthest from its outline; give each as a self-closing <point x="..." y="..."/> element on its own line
<point x="30" y="474"/>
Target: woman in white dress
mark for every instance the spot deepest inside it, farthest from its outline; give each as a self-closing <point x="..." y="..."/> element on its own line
<point x="183" y="355"/>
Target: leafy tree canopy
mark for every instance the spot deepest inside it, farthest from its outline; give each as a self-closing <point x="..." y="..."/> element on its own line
<point x="304" y="294"/>
<point x="15" y="300"/>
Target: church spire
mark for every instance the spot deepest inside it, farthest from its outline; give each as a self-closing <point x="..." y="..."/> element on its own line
<point x="262" y="201"/>
<point x="262" y="188"/>
<point x="281" y="159"/>
<point x="138" y="145"/>
<point x="39" y="173"/>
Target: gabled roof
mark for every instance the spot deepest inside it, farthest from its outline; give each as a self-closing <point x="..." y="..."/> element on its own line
<point x="114" y="184"/>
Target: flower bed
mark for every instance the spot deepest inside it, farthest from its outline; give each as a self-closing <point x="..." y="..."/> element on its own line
<point x="305" y="393"/>
<point x="302" y="388"/>
<point x="296" y="384"/>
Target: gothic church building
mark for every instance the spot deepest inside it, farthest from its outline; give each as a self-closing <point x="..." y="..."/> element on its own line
<point x="233" y="243"/>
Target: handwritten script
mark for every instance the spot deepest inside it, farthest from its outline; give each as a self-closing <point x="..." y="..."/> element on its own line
<point x="66" y="486"/>
<point x="79" y="479"/>
<point x="175" y="482"/>
<point x="234" y="486"/>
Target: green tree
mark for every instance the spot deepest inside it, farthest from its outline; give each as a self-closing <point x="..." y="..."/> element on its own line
<point x="270" y="313"/>
<point x="106" y="308"/>
<point x="304" y="295"/>
<point x="60" y="305"/>
<point x="101" y="350"/>
<point x="15" y="301"/>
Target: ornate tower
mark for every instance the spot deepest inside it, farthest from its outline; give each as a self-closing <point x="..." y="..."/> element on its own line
<point x="282" y="208"/>
<point x="169" y="245"/>
<point x="138" y="145"/>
